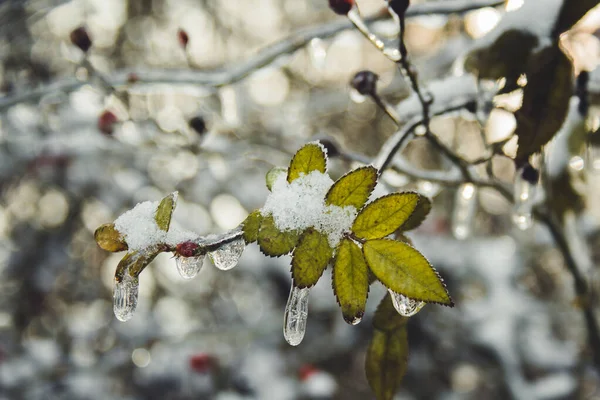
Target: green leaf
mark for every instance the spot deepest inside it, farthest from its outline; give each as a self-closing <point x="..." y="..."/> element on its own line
<point x="403" y="269"/>
<point x="134" y="263"/>
<point x="386" y="317"/>
<point x="545" y="101"/>
<point x="109" y="239"/>
<point x="272" y="241"/>
<point x="350" y="280"/>
<point x="310" y="258"/>
<point x="353" y="189"/>
<point x="384" y="215"/>
<point x="386" y="362"/>
<point x="251" y="226"/>
<point x="309" y="158"/>
<point x="165" y="211"/>
<point x="272" y="176"/>
<point x="419" y="214"/>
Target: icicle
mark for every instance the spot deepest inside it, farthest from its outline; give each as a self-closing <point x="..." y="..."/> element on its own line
<point x="356" y="320"/>
<point x="296" y="314"/>
<point x="405" y="306"/>
<point x="189" y="267"/>
<point x="464" y="211"/>
<point x="227" y="256"/>
<point x="125" y="297"/>
<point x="354" y="16"/>
<point x="593" y="158"/>
<point x="524" y="199"/>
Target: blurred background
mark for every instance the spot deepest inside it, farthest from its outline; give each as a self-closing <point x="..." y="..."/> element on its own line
<point x="85" y="138"/>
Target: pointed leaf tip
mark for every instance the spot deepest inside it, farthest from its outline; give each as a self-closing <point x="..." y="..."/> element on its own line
<point x="309" y="158"/>
<point x="384" y="215"/>
<point x="165" y="211"/>
<point x="310" y="258"/>
<point x="418" y="215"/>
<point x="405" y="270"/>
<point x="109" y="239"/>
<point x="354" y="188"/>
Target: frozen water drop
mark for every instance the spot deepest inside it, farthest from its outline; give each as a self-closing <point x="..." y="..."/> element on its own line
<point x="465" y="205"/>
<point x="356" y="97"/>
<point x="405" y="306"/>
<point x="356" y="320"/>
<point x="296" y="314"/>
<point x="227" y="256"/>
<point x="524" y="197"/>
<point x="189" y="267"/>
<point x="125" y="297"/>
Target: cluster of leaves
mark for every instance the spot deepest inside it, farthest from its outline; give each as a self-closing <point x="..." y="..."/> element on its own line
<point x="135" y="261"/>
<point x="365" y="253"/>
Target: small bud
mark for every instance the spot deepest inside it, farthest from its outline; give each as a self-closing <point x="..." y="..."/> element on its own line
<point x="365" y="82"/>
<point x="80" y="38"/>
<point x="186" y="249"/>
<point x="183" y="38"/>
<point x="198" y="124"/>
<point x="341" y="7"/>
<point x="106" y="122"/>
<point x="399" y="6"/>
<point x="201" y="363"/>
<point x="530" y="174"/>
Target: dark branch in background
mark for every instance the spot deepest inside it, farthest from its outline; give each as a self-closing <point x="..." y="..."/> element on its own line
<point x="225" y="76"/>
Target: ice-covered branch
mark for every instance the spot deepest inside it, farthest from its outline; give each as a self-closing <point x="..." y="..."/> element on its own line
<point x="227" y="75"/>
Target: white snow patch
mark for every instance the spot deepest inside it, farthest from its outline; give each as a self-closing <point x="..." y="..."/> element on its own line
<point x="140" y="230"/>
<point x="301" y="204"/>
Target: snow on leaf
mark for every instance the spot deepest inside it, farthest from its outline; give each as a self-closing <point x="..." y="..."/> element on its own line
<point x="310" y="258"/>
<point x="384" y="215"/>
<point x="272" y="241"/>
<point x="405" y="270"/>
<point x="272" y="176"/>
<point x="311" y="157"/>
<point x="353" y="189"/>
<point x="350" y="280"/>
<point x="109" y="239"/>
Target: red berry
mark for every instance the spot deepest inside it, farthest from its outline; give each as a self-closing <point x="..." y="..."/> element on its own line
<point x="132" y="78"/>
<point x="306" y="371"/>
<point x="341" y="7"/>
<point x="106" y="122"/>
<point x="81" y="38"/>
<point x="186" y="249"/>
<point x="201" y="363"/>
<point x="183" y="38"/>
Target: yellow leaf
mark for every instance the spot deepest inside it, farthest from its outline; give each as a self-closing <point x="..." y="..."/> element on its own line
<point x="272" y="241"/>
<point x="418" y="215"/>
<point x="109" y="239"/>
<point x="386" y="362"/>
<point x="384" y="215"/>
<point x="165" y="211"/>
<point x="353" y="189"/>
<point x="134" y="263"/>
<point x="251" y="226"/>
<point x="309" y="158"/>
<point x="310" y="258"/>
<point x="403" y="269"/>
<point x="350" y="280"/>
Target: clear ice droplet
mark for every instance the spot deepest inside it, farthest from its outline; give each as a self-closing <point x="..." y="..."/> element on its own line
<point x="405" y="306"/>
<point x="465" y="205"/>
<point x="593" y="158"/>
<point x="356" y="97"/>
<point x="125" y="297"/>
<point x="189" y="267"/>
<point x="296" y="315"/>
<point x="227" y="256"/>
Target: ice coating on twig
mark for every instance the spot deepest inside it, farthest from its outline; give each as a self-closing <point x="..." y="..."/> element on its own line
<point x="405" y="306"/>
<point x="125" y="297"/>
<point x="227" y="256"/>
<point x="296" y="315"/>
<point x="301" y="204"/>
<point x="525" y="193"/>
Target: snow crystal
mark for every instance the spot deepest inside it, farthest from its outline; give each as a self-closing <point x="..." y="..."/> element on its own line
<point x="140" y="230"/>
<point x="301" y="204"/>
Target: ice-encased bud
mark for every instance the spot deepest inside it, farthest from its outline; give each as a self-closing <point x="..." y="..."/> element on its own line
<point x="125" y="297"/>
<point x="189" y="267"/>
